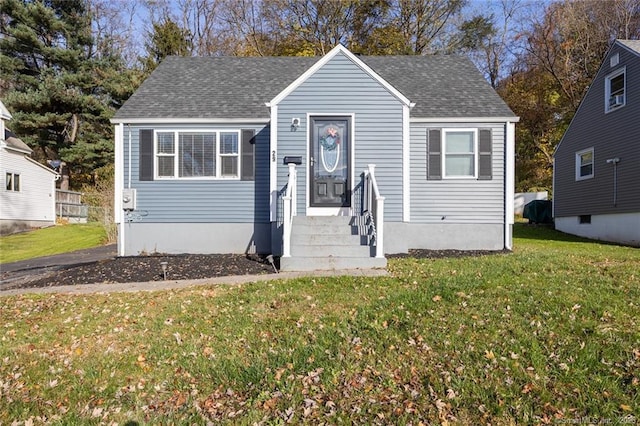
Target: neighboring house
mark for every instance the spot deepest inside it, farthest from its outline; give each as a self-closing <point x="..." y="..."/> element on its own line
<point x="272" y="155"/>
<point x="596" y="188"/>
<point x="27" y="195"/>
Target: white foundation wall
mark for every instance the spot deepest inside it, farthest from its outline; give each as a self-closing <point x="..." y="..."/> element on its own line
<point x="197" y="238"/>
<point x="615" y="228"/>
<point x="400" y="237"/>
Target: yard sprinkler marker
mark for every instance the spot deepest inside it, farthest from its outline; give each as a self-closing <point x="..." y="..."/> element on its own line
<point x="270" y="259"/>
<point x="164" y="269"/>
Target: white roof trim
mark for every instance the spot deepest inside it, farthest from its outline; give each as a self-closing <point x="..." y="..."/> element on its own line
<point x="4" y="112"/>
<point x="465" y="120"/>
<point x="326" y="58"/>
<point x="190" y="120"/>
<point x="41" y="165"/>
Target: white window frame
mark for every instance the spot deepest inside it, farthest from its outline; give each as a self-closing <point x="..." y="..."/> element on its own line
<point x="177" y="159"/>
<point x="607" y="90"/>
<point x="578" y="160"/>
<point x="444" y="152"/>
<point x="13" y="182"/>
<point x="157" y="154"/>
<point x="220" y="155"/>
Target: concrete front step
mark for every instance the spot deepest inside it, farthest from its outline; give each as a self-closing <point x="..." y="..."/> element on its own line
<point x="311" y="239"/>
<point x="299" y="263"/>
<point x="331" y="250"/>
<point x="329" y="243"/>
<point x="322" y="220"/>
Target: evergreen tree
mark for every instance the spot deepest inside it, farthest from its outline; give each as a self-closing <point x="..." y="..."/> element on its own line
<point x="53" y="90"/>
<point x="168" y="38"/>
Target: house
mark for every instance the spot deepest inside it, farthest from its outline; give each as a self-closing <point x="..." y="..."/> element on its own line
<point x="27" y="196"/>
<point x="596" y="180"/>
<point x="329" y="162"/>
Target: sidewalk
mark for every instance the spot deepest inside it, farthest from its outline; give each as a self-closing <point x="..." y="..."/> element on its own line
<point x="171" y="285"/>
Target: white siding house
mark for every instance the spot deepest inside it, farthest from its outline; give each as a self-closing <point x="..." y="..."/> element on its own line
<point x="27" y="194"/>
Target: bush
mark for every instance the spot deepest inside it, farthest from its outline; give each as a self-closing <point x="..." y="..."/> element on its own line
<point x="100" y="198"/>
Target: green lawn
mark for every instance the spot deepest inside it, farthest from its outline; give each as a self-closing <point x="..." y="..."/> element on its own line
<point x="54" y="240"/>
<point x="548" y="334"/>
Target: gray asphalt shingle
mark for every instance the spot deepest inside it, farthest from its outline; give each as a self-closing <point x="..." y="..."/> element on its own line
<point x="238" y="87"/>
<point x="631" y="44"/>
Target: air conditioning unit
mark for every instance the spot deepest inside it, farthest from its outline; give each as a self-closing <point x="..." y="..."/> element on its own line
<point x="616" y="100"/>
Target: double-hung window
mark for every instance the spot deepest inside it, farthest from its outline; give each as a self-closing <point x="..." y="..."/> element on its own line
<point x="12" y="182"/>
<point x="197" y="154"/>
<point x="615" y="90"/>
<point x="229" y="154"/>
<point x="460" y="147"/>
<point x="584" y="164"/>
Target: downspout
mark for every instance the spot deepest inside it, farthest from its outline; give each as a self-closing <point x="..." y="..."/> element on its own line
<point x="129" y="161"/>
<point x="615" y="162"/>
<point x="553" y="188"/>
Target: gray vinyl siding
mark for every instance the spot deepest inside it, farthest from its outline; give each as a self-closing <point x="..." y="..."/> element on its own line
<point x="341" y="87"/>
<point x="613" y="134"/>
<point x="456" y="200"/>
<point x="207" y="200"/>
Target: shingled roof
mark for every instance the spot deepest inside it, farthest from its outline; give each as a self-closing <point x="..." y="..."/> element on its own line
<point x="631" y="44"/>
<point x="441" y="86"/>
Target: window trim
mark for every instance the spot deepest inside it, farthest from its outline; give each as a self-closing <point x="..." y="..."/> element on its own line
<point x="176" y="154"/>
<point x="13" y="182"/>
<point x="443" y="151"/>
<point x="607" y="90"/>
<point x="578" y="164"/>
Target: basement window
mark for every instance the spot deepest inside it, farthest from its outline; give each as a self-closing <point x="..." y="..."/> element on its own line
<point x="584" y="219"/>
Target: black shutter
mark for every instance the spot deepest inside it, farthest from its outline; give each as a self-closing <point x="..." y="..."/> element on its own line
<point x="146" y="154"/>
<point x="248" y="155"/>
<point x="484" y="154"/>
<point x="434" y="154"/>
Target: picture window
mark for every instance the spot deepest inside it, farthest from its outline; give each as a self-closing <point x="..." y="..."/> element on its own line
<point x="196" y="154"/>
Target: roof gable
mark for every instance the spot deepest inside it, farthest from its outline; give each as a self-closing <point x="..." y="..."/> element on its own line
<point x="592" y="104"/>
<point x="324" y="60"/>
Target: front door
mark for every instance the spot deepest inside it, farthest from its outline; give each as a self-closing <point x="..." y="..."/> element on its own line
<point x="329" y="168"/>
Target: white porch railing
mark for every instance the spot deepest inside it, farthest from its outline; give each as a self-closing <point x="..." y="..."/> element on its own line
<point x="374" y="208"/>
<point x="289" y="209"/>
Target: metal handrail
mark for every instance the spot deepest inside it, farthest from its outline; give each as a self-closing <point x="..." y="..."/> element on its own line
<point x="289" y="209"/>
<point x="374" y="209"/>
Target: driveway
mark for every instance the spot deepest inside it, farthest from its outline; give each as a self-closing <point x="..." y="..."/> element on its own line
<point x="14" y="273"/>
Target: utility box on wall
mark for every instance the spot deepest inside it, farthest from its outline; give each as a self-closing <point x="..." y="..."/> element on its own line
<point x="128" y="199"/>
